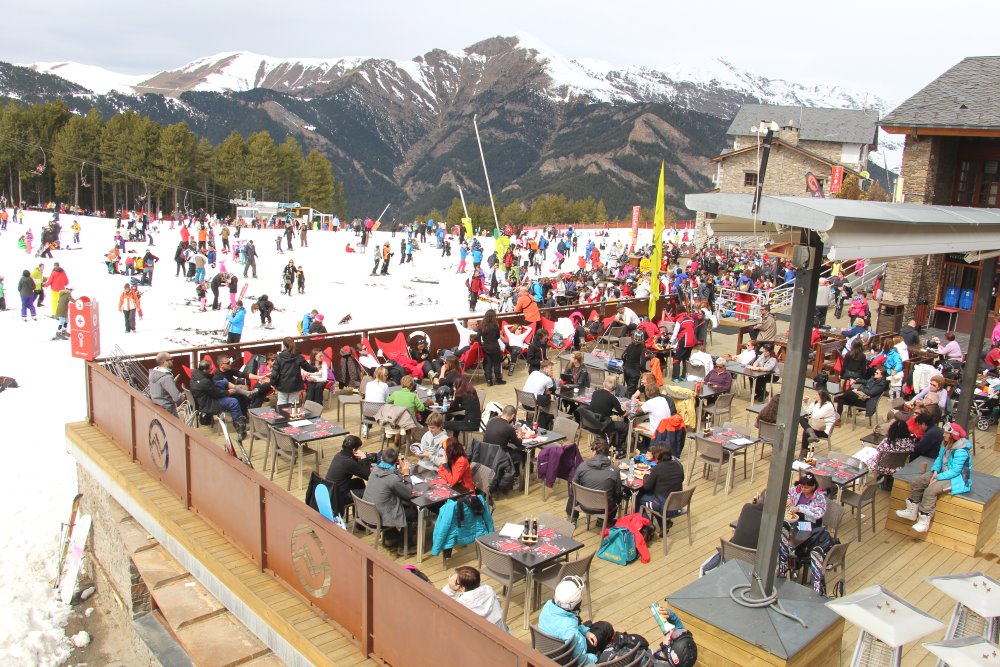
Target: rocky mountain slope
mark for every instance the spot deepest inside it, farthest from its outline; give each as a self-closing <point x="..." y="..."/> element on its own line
<point x="401" y="131"/>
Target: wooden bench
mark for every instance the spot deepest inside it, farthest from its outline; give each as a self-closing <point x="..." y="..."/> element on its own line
<point x="963" y="523"/>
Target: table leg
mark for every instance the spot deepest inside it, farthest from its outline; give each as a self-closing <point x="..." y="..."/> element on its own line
<point x="528" y="585"/>
<point x="420" y="534"/>
<point x="530" y="454"/>
<point x="758" y="448"/>
<point x="730" y="471"/>
<point x="299" y="457"/>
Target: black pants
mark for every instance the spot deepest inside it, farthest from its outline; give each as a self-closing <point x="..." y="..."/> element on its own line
<point x="180" y="267"/>
<point x="233" y="337"/>
<point x="39" y="297"/>
<point x="473" y="299"/>
<point x="850" y="398"/>
<point x="760" y="386"/>
<point x="493" y="366"/>
<point x="631" y="382"/>
<point x="314" y="391"/>
<point x="821" y="315"/>
<point x="129" y="320"/>
<point x="215" y="297"/>
<point x="807" y="432"/>
<point x="375" y="268"/>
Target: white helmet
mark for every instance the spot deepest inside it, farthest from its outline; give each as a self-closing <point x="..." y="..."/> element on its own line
<point x="569" y="593"/>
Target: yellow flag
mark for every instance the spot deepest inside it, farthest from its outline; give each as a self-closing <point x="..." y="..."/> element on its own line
<point x="467" y="222"/>
<point x="657" y="257"/>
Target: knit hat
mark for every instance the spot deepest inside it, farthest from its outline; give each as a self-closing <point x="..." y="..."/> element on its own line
<point x="569" y="593"/>
<point x="955" y="429"/>
<point x="859" y="321"/>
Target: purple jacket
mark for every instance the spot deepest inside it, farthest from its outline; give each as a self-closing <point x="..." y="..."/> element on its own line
<point x="558" y="463"/>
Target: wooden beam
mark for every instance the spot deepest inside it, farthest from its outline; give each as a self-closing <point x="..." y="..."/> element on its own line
<point x="942" y="131"/>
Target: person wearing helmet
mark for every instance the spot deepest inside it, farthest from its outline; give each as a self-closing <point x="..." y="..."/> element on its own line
<point x="950" y="473"/>
<point x="560" y="617"/>
<point x="634" y="360"/>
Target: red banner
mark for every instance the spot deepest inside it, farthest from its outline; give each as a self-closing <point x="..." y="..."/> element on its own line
<point x="635" y="227"/>
<point x="85" y="328"/>
<point x="836" y="179"/>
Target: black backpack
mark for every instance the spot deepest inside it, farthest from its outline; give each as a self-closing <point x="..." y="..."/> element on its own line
<point x="623" y="644"/>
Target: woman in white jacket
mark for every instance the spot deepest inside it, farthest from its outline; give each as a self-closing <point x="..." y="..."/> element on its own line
<point x="463" y="586"/>
<point x="819" y="417"/>
<point x="316" y="382"/>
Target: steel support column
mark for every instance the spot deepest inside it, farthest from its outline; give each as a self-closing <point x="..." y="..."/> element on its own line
<point x="987" y="270"/>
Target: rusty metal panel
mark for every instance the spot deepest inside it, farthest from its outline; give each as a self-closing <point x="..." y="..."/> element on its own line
<point x="415" y="625"/>
<point x="225" y="492"/>
<point x="319" y="560"/>
<point x="112" y="412"/>
<point x="159" y="446"/>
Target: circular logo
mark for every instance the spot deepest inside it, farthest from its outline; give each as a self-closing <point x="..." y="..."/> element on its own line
<point x="159" y="449"/>
<point x="310" y="562"/>
<point x="79" y="321"/>
<point x="79" y="304"/>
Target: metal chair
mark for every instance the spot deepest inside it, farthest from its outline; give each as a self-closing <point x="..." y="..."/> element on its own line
<point x="710" y="454"/>
<point x="544" y="643"/>
<point x="366" y="418"/>
<point x="857" y="501"/>
<point x="564" y="655"/>
<point x="677" y="500"/>
<point x="550" y="577"/>
<point x="482" y="477"/>
<point x="836" y="561"/>
<point x="566" y="427"/>
<point x="775" y="383"/>
<point x="529" y="403"/>
<point x="286" y="449"/>
<point x="834" y="516"/>
<point x="630" y="659"/>
<point x="260" y="429"/>
<point x="591" y="502"/>
<point x="592" y="424"/>
<point x="723" y="406"/>
<point x="829" y="434"/>
<point x="313" y="406"/>
<point x="732" y="551"/>
<point x="558" y="524"/>
<point x="853" y="410"/>
<point x="768" y="434"/>
<point x="500" y="566"/>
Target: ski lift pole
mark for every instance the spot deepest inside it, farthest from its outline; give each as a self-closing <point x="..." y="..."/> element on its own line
<point x="383" y="212"/>
<point x="462" y="196"/>
<point x="489" y="189"/>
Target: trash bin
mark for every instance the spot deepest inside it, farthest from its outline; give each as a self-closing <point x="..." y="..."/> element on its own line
<point x="890" y="317"/>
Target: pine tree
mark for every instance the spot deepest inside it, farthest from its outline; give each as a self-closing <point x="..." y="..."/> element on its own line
<point x="850" y="189"/>
<point x="262" y="165"/>
<point x="113" y="151"/>
<point x="175" y="160"/>
<point x="229" y="165"/>
<point x="203" y="173"/>
<point x="317" y="182"/>
<point x="876" y="192"/>
<point x="339" y="200"/>
<point x="455" y="212"/>
<point x="289" y="169"/>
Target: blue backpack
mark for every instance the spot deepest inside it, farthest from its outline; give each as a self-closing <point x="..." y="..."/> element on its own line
<point x="618" y="547"/>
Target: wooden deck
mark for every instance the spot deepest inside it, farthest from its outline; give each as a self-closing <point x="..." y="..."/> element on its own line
<point x="622" y="595"/>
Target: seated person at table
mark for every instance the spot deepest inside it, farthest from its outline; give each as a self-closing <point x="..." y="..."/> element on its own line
<point x="456" y="469"/>
<point x="349" y="469"/>
<point x="390" y="488"/>
<point x="211" y="399"/>
<point x="910" y="334"/>
<point x="766" y="363"/>
<point x="432" y="443"/>
<point x="500" y="430"/>
<point x="719" y="378"/>
<point x="701" y="360"/>
<point x="646" y="381"/>
<point x="465" y="587"/>
<point x="577" y="372"/>
<point x="657" y="406"/>
<point x="464" y="410"/>
<point x="627" y="317"/>
<point x="598" y="473"/>
<point x="604" y="403"/>
<point x="747" y="529"/>
<point x="540" y="383"/>
<point x="450" y="369"/>
<point x="377" y="389"/>
<point x="864" y="394"/>
<point x="746" y="355"/>
<point x="806" y="499"/>
<point x="854" y="365"/>
<point x="898" y="439"/>
<point x="950" y="473"/>
<point x="952" y="350"/>
<point x="536" y="352"/>
<point x="929" y="443"/>
<point x="226" y="376"/>
<point x="767" y="328"/>
<point x="769" y="413"/>
<point x="934" y="395"/>
<point x="560" y="618"/>
<point x="665" y="477"/>
<point x="407" y="398"/>
<point x="819" y="418"/>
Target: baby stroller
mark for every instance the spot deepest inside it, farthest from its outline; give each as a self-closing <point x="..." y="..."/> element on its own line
<point x="985" y="409"/>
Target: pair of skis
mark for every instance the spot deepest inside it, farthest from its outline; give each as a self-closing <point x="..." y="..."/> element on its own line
<point x="74" y="540"/>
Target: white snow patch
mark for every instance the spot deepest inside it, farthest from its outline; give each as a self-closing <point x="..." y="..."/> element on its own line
<point x="91" y="77"/>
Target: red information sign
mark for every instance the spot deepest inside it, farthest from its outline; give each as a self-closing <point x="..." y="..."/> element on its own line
<point x="635" y="226"/>
<point x="84" y="328"/>
<point x="836" y="179"/>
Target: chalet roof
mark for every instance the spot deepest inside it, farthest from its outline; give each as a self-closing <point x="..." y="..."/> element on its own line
<point x="849" y="126"/>
<point x="966" y="96"/>
<point x="794" y="147"/>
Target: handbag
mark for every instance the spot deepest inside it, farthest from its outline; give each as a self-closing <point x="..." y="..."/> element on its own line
<point x="618" y="547"/>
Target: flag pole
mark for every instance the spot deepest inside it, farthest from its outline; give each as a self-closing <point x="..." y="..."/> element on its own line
<point x="489" y="189"/>
<point x="463" y="201"/>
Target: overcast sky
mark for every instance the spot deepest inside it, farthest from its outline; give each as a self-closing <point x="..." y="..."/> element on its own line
<point x="888" y="47"/>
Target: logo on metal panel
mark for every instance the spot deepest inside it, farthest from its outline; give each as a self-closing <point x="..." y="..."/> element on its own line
<point x="310" y="561"/>
<point x="159" y="449"/>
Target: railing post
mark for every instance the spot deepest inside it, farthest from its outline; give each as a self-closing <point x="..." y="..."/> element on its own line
<point x="131" y="410"/>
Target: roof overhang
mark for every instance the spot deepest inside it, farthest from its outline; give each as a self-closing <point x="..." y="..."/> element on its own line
<point x="861" y="229"/>
<point x="930" y="131"/>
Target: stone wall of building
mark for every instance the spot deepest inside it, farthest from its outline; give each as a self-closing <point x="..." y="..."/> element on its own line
<point x="786" y="170"/>
<point x="910" y="280"/>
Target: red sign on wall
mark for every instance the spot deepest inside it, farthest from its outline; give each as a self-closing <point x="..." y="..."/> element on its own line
<point x="836" y="179"/>
<point x="84" y="328"/>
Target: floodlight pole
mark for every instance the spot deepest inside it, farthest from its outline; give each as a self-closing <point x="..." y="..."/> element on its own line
<point x="489" y="188"/>
<point x="785" y="449"/>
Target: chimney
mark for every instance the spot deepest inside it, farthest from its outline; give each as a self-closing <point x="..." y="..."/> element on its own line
<point x="789" y="133"/>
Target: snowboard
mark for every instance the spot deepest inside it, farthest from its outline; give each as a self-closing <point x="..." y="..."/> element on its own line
<point x="74" y="558"/>
<point x="67" y="529"/>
